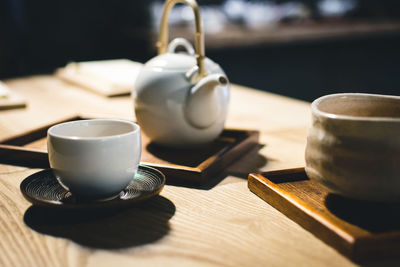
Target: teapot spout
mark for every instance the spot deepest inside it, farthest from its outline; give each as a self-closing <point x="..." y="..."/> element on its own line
<point x="205" y="101"/>
<point x="209" y="83"/>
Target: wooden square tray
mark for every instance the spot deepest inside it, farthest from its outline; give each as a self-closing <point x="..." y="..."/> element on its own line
<point x="191" y="165"/>
<point x="360" y="230"/>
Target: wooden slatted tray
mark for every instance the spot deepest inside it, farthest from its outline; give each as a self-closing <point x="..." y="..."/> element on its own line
<point x="191" y="165"/>
<point x="360" y="230"/>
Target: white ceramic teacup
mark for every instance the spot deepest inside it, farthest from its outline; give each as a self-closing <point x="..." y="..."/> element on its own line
<point x="94" y="159"/>
<point x="353" y="145"/>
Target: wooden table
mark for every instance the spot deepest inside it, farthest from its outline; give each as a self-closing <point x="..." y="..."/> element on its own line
<point x="220" y="224"/>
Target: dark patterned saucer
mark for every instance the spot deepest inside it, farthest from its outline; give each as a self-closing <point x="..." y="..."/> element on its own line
<point x="43" y="189"/>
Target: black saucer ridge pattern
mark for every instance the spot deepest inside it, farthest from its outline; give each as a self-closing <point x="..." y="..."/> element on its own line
<point x="43" y="189"/>
<point x="145" y="181"/>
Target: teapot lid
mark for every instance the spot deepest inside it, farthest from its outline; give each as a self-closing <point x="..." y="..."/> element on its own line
<point x="172" y="62"/>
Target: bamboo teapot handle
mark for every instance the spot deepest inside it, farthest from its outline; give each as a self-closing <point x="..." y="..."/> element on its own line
<point x="162" y="43"/>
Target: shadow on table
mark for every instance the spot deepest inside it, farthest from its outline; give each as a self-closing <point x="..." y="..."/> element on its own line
<point x="251" y="162"/>
<point x="142" y="224"/>
<point x="371" y="216"/>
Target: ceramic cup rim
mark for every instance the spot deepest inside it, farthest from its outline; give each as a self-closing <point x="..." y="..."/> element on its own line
<point x="316" y="111"/>
<point x="52" y="134"/>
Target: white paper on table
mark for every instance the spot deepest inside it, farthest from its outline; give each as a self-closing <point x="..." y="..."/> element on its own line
<point x="106" y="77"/>
<point x="4" y="91"/>
<point x="10" y="99"/>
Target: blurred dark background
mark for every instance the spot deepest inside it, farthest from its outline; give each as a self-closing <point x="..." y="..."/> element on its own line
<point x="303" y="49"/>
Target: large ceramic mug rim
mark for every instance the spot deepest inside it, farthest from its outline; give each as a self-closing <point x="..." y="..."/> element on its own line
<point x="318" y="112"/>
<point x="135" y="129"/>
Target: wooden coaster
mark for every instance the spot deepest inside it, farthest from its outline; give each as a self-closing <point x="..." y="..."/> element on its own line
<point x="194" y="166"/>
<point x="43" y="189"/>
<point x="358" y="229"/>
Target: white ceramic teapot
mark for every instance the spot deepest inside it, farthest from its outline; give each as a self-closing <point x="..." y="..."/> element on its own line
<point x="181" y="99"/>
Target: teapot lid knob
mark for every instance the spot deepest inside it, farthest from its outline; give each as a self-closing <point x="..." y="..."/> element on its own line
<point x="162" y="43"/>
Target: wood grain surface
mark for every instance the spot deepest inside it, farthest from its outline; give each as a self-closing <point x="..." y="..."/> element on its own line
<point x="217" y="224"/>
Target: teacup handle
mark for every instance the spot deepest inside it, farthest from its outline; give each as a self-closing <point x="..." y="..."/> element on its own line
<point x="181" y="42"/>
<point x="162" y="43"/>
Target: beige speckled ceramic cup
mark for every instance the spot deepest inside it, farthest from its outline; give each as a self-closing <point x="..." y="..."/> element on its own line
<point x="353" y="145"/>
